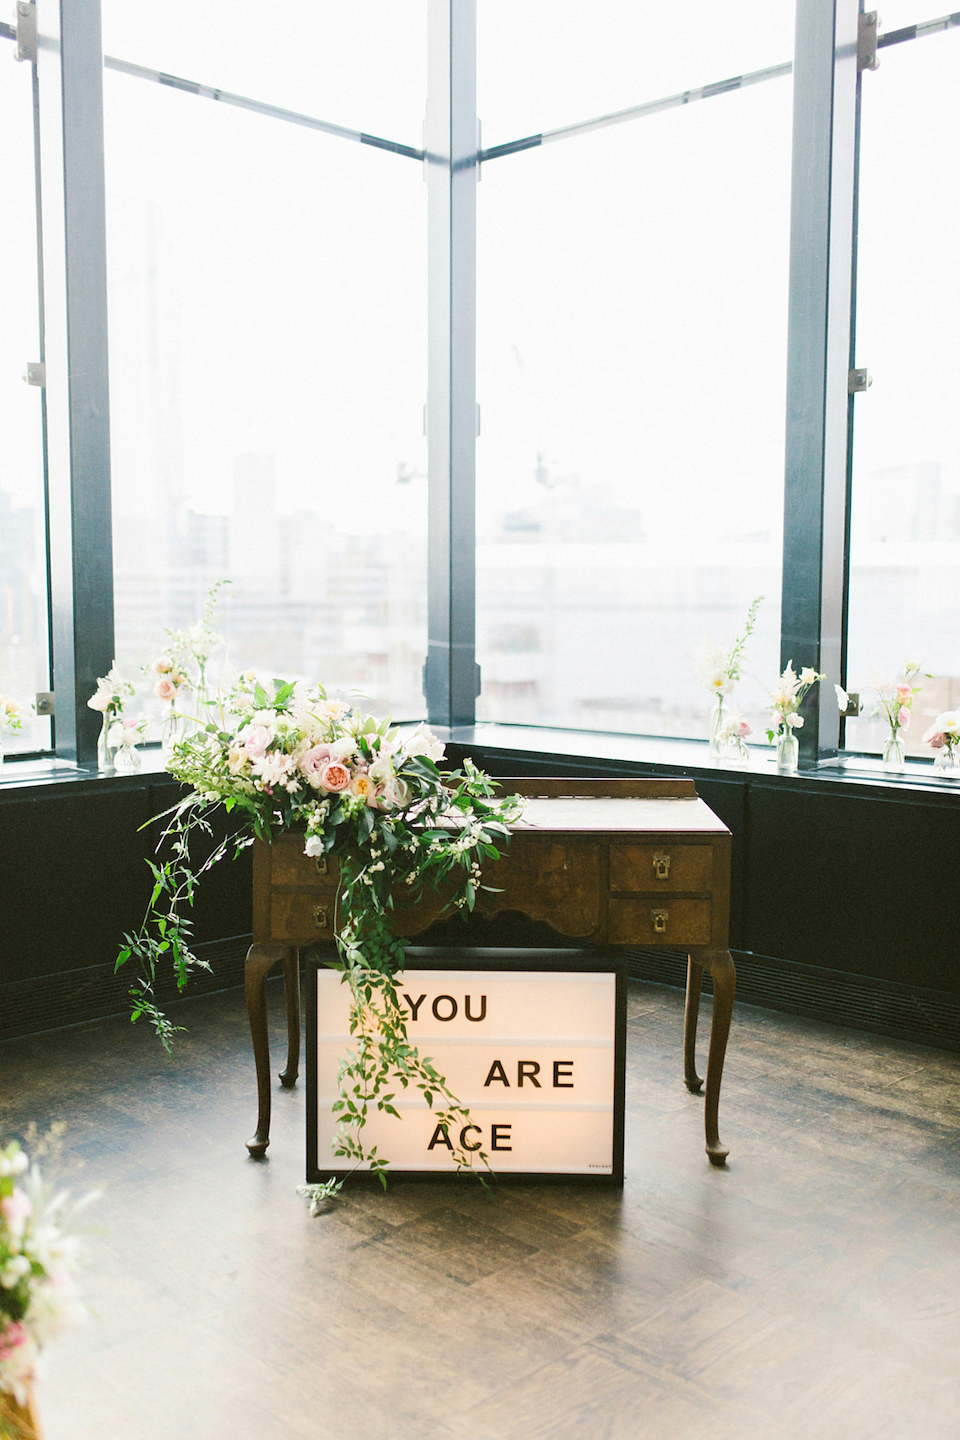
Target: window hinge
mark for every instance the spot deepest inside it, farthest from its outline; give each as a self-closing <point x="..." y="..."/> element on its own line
<point x="867" y="41"/>
<point x="26" y="30"/>
<point x="35" y="373"/>
<point x="858" y="381"/>
<point x="45" y="703"/>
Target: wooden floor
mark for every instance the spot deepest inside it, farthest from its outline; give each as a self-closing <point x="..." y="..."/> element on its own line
<point x="810" y="1290"/>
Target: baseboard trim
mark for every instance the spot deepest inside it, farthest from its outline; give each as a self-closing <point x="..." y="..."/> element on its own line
<point x="71" y="997"/>
<point x="882" y="1007"/>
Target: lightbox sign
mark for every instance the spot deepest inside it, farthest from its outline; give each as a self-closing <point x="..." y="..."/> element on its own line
<point x="533" y="1055"/>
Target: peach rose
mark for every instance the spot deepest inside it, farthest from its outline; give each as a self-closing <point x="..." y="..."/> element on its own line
<point x="364" y="788"/>
<point x="334" y="776"/>
<point x="165" y="688"/>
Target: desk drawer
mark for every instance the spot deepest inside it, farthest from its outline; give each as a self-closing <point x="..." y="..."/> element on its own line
<point x="653" y="922"/>
<point x="289" y="866"/>
<point x="661" y="867"/>
<point x="302" y="916"/>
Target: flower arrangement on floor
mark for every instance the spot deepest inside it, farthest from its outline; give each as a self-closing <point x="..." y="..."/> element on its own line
<point x="10" y="721"/>
<point x="944" y="737"/>
<point x="785" y="703"/>
<point x="110" y="698"/>
<point x="719" y="668"/>
<point x="893" y="705"/>
<point x="290" y="759"/>
<point x="39" y="1258"/>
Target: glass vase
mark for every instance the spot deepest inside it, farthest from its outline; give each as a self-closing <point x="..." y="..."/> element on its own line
<point x="171" y="731"/>
<point x="894" y="753"/>
<point x="948" y="762"/>
<point x="716" y="725"/>
<point x="788" y="751"/>
<point x="104" y="750"/>
<point x="127" y="760"/>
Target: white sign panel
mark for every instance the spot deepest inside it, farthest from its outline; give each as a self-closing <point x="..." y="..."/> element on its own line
<point x="529" y="1053"/>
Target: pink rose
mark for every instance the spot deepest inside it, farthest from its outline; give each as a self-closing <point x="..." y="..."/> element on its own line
<point x="935" y="739"/>
<point x="903" y="718"/>
<point x="314" y="763"/>
<point x="165" y="688"/>
<point x="743" y="729"/>
<point x="256" y="740"/>
<point x="335" y="776"/>
<point x="16" y="1209"/>
<point x="163" y="667"/>
<point x="12" y="1338"/>
<point x="903" y="692"/>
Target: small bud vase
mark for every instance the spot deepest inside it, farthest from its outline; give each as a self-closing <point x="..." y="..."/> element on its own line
<point x="104" y="750"/>
<point x="894" y="753"/>
<point x="127" y="760"/>
<point x="947" y="762"/>
<point x="788" y="751"/>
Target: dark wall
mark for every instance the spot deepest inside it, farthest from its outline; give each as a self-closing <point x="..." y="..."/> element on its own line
<point x="73" y="875"/>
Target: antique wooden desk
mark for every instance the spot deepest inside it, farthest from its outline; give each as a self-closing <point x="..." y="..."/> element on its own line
<point x="607" y="862"/>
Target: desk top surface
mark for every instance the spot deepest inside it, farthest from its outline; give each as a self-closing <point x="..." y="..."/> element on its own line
<point x="607" y="814"/>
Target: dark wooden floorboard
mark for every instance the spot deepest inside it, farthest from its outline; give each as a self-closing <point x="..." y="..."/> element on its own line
<point x="810" y="1290"/>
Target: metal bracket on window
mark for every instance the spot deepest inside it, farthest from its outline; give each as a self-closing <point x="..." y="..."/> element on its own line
<point x="26" y="30"/>
<point x="44" y="703"/>
<point x="858" y="381"/>
<point x="35" y="373"/>
<point x="867" y="41"/>
<point x="853" y="705"/>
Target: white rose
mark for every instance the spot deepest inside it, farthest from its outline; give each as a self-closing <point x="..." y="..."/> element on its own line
<point x="808" y="676"/>
<point x="343" y="749"/>
<point x="794" y="721"/>
<point x="101" y="700"/>
<point x="424" y="742"/>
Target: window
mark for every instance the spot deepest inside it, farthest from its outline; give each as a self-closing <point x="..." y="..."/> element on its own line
<point x="905" y="523"/>
<point x="24" y="622"/>
<point x="632" y="308"/>
<point x="268" y="362"/>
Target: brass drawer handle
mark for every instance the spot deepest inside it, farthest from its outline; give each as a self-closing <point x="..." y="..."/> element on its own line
<point x="321" y="863"/>
<point x="659" y="918"/>
<point x="661" y="866"/>
<point x="322" y="916"/>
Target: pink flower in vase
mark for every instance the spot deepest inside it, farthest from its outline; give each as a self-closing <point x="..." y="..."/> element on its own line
<point x="165" y="688"/>
<point x="903" y="717"/>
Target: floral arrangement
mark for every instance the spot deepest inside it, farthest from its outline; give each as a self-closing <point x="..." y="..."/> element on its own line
<point x="893" y="704"/>
<point x="944" y="737"/>
<point x="111" y="694"/>
<point x="719" y="667"/>
<point x="786" y="700"/>
<point x="289" y="758"/>
<point x="10" y="712"/>
<point x="39" y="1257"/>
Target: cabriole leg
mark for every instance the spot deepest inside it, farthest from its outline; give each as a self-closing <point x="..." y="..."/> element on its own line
<point x="261" y="959"/>
<point x="291" y="990"/>
<point x="721" y="967"/>
<point x="691" y="1011"/>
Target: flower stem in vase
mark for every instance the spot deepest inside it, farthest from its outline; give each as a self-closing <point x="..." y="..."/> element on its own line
<point x="104" y="750"/>
<point x="127" y="761"/>
<point x="171" y="732"/>
<point x="716" y="725"/>
<point x="788" y="750"/>
<point x="894" y="753"/>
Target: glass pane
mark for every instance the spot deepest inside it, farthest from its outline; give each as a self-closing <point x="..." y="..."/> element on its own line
<point x="542" y="65"/>
<point x="363" y="66"/>
<point x="632" y="363"/>
<point x="24" y="647"/>
<point x="906" y="489"/>
<point x="268" y="374"/>
<point x="897" y="14"/>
